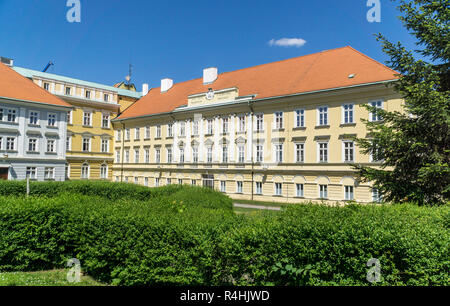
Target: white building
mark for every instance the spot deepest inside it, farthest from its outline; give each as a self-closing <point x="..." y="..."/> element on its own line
<point x="33" y="128"/>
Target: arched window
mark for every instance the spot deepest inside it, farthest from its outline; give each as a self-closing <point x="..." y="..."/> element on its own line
<point x="85" y="171"/>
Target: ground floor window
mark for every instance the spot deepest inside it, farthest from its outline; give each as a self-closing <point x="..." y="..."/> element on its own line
<point x="146" y="181"/>
<point x="323" y="191"/>
<point x="169" y="181"/>
<point x="239" y="187"/>
<point x="156" y="182"/>
<point x="31" y="173"/>
<point x="376" y="196"/>
<point x="278" y="189"/>
<point x="104" y="171"/>
<point x="194" y="182"/>
<point x="349" y="193"/>
<point x="223" y="186"/>
<point x="136" y="180"/>
<point x="85" y="171"/>
<point x="259" y="188"/>
<point x="180" y="182"/>
<point x="299" y="188"/>
<point x="49" y="173"/>
<point x="67" y="171"/>
<point x="208" y="181"/>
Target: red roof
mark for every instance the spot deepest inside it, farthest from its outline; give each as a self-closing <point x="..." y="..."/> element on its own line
<point x="15" y="86"/>
<point x="320" y="71"/>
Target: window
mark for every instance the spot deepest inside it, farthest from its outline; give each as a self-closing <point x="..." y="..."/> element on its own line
<point x="32" y="145"/>
<point x="105" y="146"/>
<point x="376" y="196"/>
<point x="136" y="180"/>
<point x="105" y="121"/>
<point x="348" y="151"/>
<point x="349" y="193"/>
<point x="1" y="114"/>
<point x="157" y="156"/>
<point x="278" y="189"/>
<point x="300" y="118"/>
<point x="375" y="115"/>
<point x="69" y="117"/>
<point x="259" y="122"/>
<point x="34" y="118"/>
<point x="117" y="156"/>
<point x="299" y="188"/>
<point x="127" y="156"/>
<point x="182" y="155"/>
<point x="223" y="186"/>
<point x="127" y="134"/>
<point x="259" y="154"/>
<point x="31" y="173"/>
<point x="85" y="171"/>
<point x="209" y="155"/>
<point x="259" y="188"/>
<point x="195" y="155"/>
<point x="11" y="115"/>
<point x="86" y="145"/>
<point x="136" y="156"/>
<point x="225" y="154"/>
<point x="225" y="125"/>
<point x="278" y="120"/>
<point x="182" y="129"/>
<point x="157" y="182"/>
<point x="146" y="182"/>
<point x="87" y="118"/>
<point x="46" y="86"/>
<point x="323" y="192"/>
<point x="195" y="128"/>
<point x="376" y="155"/>
<point x="323" y="115"/>
<point x="147" y="156"/>
<point x="348" y="113"/>
<point x="106" y="97"/>
<point x="169" y="155"/>
<point x="147" y="132"/>
<point x="118" y="135"/>
<point x="194" y="182"/>
<point x="170" y="130"/>
<point x="137" y="133"/>
<point x="68" y="143"/>
<point x="49" y="174"/>
<point x="88" y="94"/>
<point x="10" y="143"/>
<point x="241" y="154"/>
<point x="300" y="152"/>
<point x="51" y="119"/>
<point x="210" y="127"/>
<point x="242" y="123"/>
<point x="279" y="153"/>
<point x="51" y="147"/>
<point x="323" y="152"/>
<point x="68" y="91"/>
<point x="239" y="187"/>
<point x="169" y="181"/>
<point x="158" y="131"/>
<point x="1" y="142"/>
<point x="67" y="170"/>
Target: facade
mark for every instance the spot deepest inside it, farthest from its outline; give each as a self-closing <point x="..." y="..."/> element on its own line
<point x="32" y="130"/>
<point x="276" y="132"/>
<point x="89" y="140"/>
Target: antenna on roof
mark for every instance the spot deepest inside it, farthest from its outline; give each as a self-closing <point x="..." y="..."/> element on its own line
<point x="128" y="77"/>
<point x="48" y="66"/>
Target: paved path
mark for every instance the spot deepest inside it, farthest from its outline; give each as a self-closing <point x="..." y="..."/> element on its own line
<point x="257" y="207"/>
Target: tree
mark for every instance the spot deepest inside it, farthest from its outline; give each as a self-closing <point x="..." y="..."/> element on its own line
<point x="414" y="145"/>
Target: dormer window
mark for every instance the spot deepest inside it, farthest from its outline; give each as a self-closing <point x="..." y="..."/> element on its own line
<point x="46" y="86"/>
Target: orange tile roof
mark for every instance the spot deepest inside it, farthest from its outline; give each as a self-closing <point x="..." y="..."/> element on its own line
<point x="320" y="71"/>
<point x="15" y="86"/>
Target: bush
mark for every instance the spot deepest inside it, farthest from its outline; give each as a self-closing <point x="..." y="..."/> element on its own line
<point x="189" y="236"/>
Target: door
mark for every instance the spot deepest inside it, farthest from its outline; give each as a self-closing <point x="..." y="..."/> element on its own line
<point x="4" y="173"/>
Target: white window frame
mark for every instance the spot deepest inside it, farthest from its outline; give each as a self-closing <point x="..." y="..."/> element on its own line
<point x="11" y="143"/>
<point x="31" y="172"/>
<point x="223" y="186"/>
<point x="319" y="149"/>
<point x="239" y="187"/>
<point x="105" y="146"/>
<point x="89" y="142"/>
<point x="87" y="118"/>
<point x="300" y="192"/>
<point x="344" y="149"/>
<point x="349" y="193"/>
<point x="36" y="145"/>
<point x="323" y="115"/>
<point x="299" y="118"/>
<point x="350" y="112"/>
<point x="52" y="120"/>
<point x="278" y="191"/>
<point x="259" y="122"/>
<point x="323" y="192"/>
<point x="374" y="117"/>
<point x="137" y="156"/>
<point x="137" y="133"/>
<point x="106" y="117"/>
<point x="278" y="120"/>
<point x="85" y="175"/>
<point x="259" y="188"/>
<point x="296" y="149"/>
<point x="36" y="117"/>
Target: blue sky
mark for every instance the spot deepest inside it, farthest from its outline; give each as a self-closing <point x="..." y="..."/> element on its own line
<point x="177" y="39"/>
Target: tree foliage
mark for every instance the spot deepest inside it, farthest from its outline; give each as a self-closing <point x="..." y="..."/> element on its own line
<point x="415" y="144"/>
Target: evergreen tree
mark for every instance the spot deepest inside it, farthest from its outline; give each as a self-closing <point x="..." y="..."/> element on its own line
<point x="414" y="145"/>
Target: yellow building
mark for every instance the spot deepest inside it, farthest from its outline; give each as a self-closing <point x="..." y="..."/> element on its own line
<point x="281" y="131"/>
<point x="89" y="141"/>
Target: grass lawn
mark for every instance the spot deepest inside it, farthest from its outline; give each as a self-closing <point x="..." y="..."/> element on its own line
<point x="44" y="278"/>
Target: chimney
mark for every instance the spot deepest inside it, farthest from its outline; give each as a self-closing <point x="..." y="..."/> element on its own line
<point x="144" y="89"/>
<point x="166" y="85"/>
<point x="7" y="61"/>
<point x="209" y="75"/>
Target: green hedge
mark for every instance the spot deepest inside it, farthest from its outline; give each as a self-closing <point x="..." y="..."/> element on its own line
<point x="189" y="236"/>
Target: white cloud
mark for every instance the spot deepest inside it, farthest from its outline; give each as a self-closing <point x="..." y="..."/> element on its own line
<point x="288" y="42"/>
